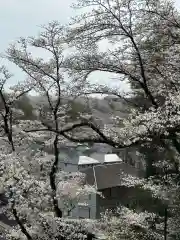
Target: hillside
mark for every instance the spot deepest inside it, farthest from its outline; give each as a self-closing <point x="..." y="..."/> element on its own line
<point x="102" y="109"/>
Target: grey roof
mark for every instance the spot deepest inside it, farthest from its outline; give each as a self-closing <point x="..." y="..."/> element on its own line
<point x="84" y="160"/>
<point x="109" y="175"/>
<point x="99" y="159"/>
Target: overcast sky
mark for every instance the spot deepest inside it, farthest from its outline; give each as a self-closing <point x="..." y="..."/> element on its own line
<point x="22" y="18"/>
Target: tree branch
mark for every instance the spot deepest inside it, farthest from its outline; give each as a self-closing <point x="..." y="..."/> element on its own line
<point x="21" y="225"/>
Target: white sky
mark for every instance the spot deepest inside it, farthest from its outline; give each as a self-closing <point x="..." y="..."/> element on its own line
<point x="21" y="18"/>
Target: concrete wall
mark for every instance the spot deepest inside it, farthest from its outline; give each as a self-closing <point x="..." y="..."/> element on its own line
<point x="86" y="208"/>
<point x="115" y="197"/>
<point x="87" y="205"/>
<point x="133" y="198"/>
<point x="68" y="167"/>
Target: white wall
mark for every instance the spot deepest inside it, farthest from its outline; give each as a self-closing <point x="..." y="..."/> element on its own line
<point x="68" y="167"/>
<point x="71" y="165"/>
<point x="86" y="208"/>
<point x="84" y="166"/>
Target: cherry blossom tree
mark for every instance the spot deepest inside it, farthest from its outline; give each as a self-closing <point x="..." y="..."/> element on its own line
<point x="39" y="193"/>
<point x="129" y="224"/>
<point x="142" y="39"/>
<point x="134" y="28"/>
<point x="143" y="50"/>
<point x="25" y="176"/>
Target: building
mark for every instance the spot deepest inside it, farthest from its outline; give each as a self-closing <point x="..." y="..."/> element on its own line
<point x="103" y="169"/>
<point x="107" y="179"/>
<point x="74" y="158"/>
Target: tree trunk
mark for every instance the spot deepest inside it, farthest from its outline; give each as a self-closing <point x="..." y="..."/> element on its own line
<point x="165" y="222"/>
